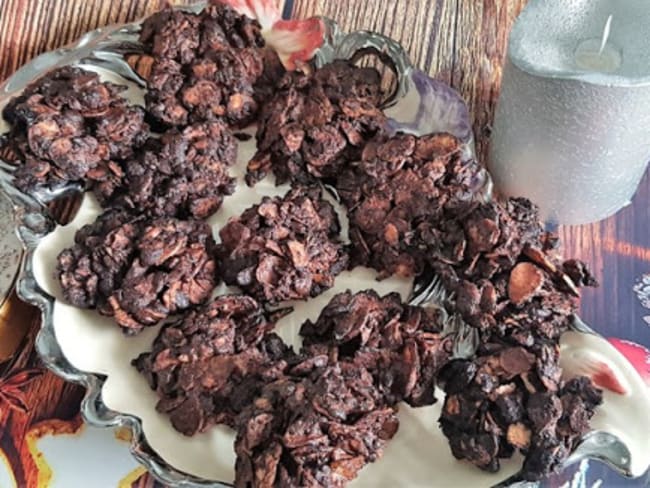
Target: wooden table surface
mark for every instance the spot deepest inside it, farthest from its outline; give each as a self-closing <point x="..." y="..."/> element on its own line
<point x="461" y="42"/>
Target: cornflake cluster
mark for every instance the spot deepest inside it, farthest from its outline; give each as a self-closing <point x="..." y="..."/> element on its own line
<point x="317" y="123"/>
<point x="403" y="199"/>
<point x="285" y="248"/>
<point x="509" y="399"/>
<point x="317" y="427"/>
<point x="139" y="271"/>
<point x="207" y="66"/>
<point x="67" y="124"/>
<point x="211" y="364"/>
<point x="401" y="346"/>
<point x="183" y="173"/>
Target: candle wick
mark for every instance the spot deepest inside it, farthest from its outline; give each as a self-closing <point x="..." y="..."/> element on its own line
<point x="608" y="27"/>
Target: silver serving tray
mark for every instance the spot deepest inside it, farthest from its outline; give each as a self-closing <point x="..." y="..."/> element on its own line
<point x="415" y="106"/>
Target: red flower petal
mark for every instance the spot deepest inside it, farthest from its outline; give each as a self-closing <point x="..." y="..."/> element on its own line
<point x="15" y="400"/>
<point x="600" y="373"/>
<point x="636" y="354"/>
<point x="21" y="377"/>
<point x="296" y="41"/>
<point x="267" y="12"/>
<point x="604" y="377"/>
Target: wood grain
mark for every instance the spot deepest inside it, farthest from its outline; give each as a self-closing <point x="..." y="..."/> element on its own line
<point x="29" y="27"/>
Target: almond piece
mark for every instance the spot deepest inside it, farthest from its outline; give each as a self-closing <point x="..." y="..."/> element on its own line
<point x="452" y="405"/>
<point x="391" y="235"/>
<point x="525" y="281"/>
<point x="518" y="435"/>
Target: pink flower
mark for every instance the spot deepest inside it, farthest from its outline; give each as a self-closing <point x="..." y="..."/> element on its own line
<point x="295" y="41"/>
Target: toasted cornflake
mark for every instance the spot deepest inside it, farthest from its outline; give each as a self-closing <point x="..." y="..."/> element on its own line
<point x="525" y="281"/>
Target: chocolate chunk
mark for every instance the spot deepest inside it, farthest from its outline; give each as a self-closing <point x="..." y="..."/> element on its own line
<point x="139" y="272"/>
<point x="544" y="410"/>
<point x="456" y="375"/>
<point x="317" y="123"/>
<point x="284" y="248"/>
<point x="567" y="421"/>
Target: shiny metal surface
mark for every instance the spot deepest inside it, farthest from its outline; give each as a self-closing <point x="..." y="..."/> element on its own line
<point x="11" y="250"/>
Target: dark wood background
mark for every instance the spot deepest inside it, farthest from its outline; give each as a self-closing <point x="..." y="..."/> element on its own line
<point x="461" y="42"/>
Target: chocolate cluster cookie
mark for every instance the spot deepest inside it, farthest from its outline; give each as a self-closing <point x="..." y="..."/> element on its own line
<point x="403" y="197"/>
<point x="403" y="347"/>
<point x="208" y="66"/>
<point x="317" y="123"/>
<point x="183" y="174"/>
<point x="138" y="271"/>
<point x="511" y="399"/>
<point x="504" y="271"/>
<point x="66" y="124"/>
<point x="316" y="427"/>
<point x="210" y="365"/>
<point x="285" y="248"/>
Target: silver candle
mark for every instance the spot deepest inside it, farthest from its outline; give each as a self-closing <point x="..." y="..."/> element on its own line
<point x="572" y="126"/>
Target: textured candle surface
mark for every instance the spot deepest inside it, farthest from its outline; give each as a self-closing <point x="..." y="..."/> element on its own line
<point x="572" y="126"/>
<point x="576" y="149"/>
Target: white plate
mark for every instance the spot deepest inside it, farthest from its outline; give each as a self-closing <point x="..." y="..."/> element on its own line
<point x="419" y="455"/>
